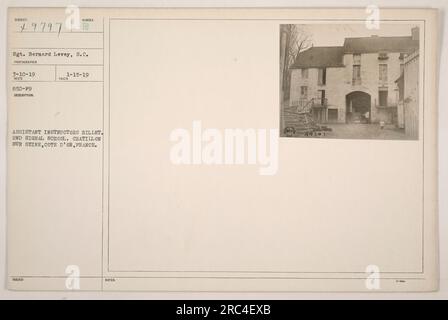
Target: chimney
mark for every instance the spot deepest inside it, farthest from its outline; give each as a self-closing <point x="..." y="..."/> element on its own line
<point x="415" y="33"/>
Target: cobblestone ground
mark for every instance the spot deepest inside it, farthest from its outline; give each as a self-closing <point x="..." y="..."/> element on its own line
<point x="365" y="131"/>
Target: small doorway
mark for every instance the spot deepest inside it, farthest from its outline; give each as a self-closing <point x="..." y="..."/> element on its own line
<point x="332" y="115"/>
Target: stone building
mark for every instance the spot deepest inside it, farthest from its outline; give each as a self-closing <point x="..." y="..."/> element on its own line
<point x="353" y="83"/>
<point x="408" y="93"/>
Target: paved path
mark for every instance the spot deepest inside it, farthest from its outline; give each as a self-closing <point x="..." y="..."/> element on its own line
<point x="365" y="131"/>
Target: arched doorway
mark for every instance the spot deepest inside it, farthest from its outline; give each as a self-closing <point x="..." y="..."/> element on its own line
<point x="358" y="107"/>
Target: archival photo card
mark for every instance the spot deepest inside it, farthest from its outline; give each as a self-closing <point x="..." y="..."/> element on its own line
<point x="154" y="150"/>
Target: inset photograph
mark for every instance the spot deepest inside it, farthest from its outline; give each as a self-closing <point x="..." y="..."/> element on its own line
<point x="349" y="82"/>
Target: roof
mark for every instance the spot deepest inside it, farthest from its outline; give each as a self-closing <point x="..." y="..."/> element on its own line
<point x="316" y="57"/>
<point x="380" y="44"/>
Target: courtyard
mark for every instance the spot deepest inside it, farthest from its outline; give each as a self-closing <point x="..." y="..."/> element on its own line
<point x="365" y="131"/>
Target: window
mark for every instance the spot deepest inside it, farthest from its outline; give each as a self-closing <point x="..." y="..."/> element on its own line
<point x="304" y="73"/>
<point x="303" y="91"/>
<point x="321" y="97"/>
<point x="356" y="69"/>
<point x="356" y="74"/>
<point x="322" y="76"/>
<point x="382" y="95"/>
<point x="383" y="72"/>
<point x="383" y="56"/>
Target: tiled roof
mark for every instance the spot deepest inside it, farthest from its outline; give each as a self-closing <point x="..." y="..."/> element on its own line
<point x="316" y="57"/>
<point x="380" y="44"/>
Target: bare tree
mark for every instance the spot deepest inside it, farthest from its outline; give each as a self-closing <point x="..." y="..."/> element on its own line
<point x="295" y="40"/>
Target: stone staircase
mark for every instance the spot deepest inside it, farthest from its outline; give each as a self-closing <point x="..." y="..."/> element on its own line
<point x="301" y="119"/>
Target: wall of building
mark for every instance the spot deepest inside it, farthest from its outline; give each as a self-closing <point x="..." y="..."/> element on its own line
<point x="333" y="87"/>
<point x="297" y="82"/>
<point x="370" y="82"/>
<point x="411" y="95"/>
<point x="339" y="84"/>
